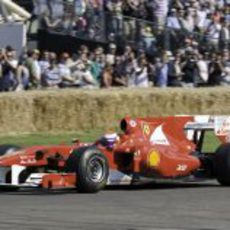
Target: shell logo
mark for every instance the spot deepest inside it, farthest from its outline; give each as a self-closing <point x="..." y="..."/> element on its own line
<point x="154" y="158"/>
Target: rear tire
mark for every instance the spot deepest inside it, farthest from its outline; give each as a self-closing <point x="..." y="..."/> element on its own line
<point x="222" y="164"/>
<point x="91" y="167"/>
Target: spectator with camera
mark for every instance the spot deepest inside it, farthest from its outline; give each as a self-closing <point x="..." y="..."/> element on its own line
<point x="9" y="64"/>
<point x="215" y="70"/>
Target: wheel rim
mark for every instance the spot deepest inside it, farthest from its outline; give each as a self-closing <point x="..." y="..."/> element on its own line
<point x="95" y="169"/>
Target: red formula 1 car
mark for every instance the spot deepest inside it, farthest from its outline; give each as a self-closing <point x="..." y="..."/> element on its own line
<point x="147" y="149"/>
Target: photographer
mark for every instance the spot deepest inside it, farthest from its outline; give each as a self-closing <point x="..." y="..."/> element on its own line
<point x="175" y="74"/>
<point x="141" y="74"/>
<point x="81" y="72"/>
<point x="8" y="69"/>
<point x="215" y="70"/>
<point x="189" y="68"/>
<point x="202" y="71"/>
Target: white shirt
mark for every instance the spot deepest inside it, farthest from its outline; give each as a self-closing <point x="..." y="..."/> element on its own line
<point x="37" y="68"/>
<point x="44" y="65"/>
<point x="53" y="77"/>
<point x="203" y="70"/>
<point x="14" y="63"/>
<point x="173" y="22"/>
<point x="64" y="70"/>
<point x="214" y="31"/>
<point x="110" y="59"/>
<point x="188" y="23"/>
<point x="226" y="33"/>
<point x="141" y="78"/>
<point x="201" y="18"/>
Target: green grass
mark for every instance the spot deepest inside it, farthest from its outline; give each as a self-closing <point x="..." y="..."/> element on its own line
<point x="50" y="138"/>
<point x="210" y="142"/>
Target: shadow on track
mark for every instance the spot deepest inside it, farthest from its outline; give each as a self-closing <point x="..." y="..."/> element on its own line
<point x="136" y="187"/>
<point x="162" y="185"/>
<point x="38" y="192"/>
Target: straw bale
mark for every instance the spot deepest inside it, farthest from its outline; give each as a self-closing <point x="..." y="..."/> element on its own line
<point x="69" y="110"/>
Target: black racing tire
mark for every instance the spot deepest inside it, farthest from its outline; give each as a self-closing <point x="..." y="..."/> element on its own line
<point x="8" y="148"/>
<point x="91" y="167"/>
<point x="222" y="164"/>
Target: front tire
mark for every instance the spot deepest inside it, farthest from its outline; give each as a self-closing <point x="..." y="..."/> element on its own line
<point x="91" y="167"/>
<point x="222" y="164"/>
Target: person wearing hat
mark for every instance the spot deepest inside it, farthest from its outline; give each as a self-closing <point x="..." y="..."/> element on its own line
<point x="34" y="68"/>
<point x="148" y="39"/>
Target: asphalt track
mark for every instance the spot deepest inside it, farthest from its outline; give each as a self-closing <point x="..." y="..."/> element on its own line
<point x="204" y="206"/>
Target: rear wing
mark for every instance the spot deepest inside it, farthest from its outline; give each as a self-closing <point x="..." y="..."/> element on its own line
<point x="199" y="126"/>
<point x="219" y="124"/>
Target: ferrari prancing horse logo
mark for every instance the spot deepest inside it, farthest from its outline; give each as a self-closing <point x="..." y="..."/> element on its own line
<point x="146" y="129"/>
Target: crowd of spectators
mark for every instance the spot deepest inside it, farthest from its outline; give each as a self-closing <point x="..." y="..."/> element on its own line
<point x="147" y="24"/>
<point x="159" y="43"/>
<point x="80" y="18"/>
<point x="186" y="67"/>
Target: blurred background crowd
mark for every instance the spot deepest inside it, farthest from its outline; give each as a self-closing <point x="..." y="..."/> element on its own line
<point x="182" y="43"/>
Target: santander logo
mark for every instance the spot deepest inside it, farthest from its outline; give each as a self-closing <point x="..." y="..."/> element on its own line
<point x="158" y="137"/>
